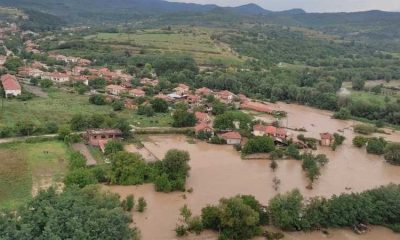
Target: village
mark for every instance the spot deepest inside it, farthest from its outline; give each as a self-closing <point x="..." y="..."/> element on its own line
<point x="127" y="123"/>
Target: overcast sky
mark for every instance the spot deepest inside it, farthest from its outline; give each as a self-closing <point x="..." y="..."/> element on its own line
<point x="311" y="5"/>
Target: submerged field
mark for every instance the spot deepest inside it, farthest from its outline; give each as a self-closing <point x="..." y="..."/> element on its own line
<point x="60" y="106"/>
<point x="27" y="167"/>
<point x="193" y="41"/>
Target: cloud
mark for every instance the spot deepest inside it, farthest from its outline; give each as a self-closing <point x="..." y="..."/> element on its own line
<point x="311" y="5"/>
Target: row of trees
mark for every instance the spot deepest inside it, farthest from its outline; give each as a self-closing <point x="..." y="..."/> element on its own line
<point x="380" y="146"/>
<point x="241" y="217"/>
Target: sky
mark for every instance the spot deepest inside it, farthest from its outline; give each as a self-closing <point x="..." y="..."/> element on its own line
<point x="311" y="5"/>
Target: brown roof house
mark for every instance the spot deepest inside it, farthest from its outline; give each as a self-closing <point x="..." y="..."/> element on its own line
<point x="115" y="89"/>
<point x="100" y="137"/>
<point x="10" y="85"/>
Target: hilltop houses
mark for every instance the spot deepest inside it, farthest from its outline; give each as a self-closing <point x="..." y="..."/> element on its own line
<point x="57" y="77"/>
<point x="137" y="92"/>
<point x="10" y="85"/>
<point x="182" y="89"/>
<point x="225" y="96"/>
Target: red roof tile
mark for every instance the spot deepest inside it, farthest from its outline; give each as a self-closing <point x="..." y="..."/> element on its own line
<point x="231" y="135"/>
<point x="10" y="82"/>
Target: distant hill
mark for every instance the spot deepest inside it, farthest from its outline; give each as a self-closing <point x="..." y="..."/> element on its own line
<point x="369" y="25"/>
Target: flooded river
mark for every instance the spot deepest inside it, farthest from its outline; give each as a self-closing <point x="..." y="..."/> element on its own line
<point x="218" y="171"/>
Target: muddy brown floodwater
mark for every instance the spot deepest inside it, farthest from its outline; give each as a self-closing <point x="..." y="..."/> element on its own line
<point x="218" y="171"/>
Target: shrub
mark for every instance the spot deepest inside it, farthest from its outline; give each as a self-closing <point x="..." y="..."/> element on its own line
<point x="146" y="110"/>
<point x="217" y="140"/>
<point x="364" y="129"/>
<point x="76" y="161"/>
<point x="118" y="105"/>
<point x="97" y="99"/>
<point x="262" y="144"/>
<point x="80" y="177"/>
<point x="142" y="204"/>
<point x="130" y="202"/>
<point x="113" y="146"/>
<point x="360" y="141"/>
<point x="376" y="146"/>
<point x="392" y="153"/>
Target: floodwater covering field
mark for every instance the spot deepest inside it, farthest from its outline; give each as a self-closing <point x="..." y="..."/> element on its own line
<point x="218" y="171"/>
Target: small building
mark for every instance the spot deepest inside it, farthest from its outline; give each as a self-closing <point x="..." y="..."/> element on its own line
<point x="326" y="139"/>
<point x="137" y="92"/>
<point x="203" y="127"/>
<point x="100" y="137"/>
<point x="58" y="77"/>
<point x="148" y="82"/>
<point x="10" y="85"/>
<point x="115" y="89"/>
<point x="204" y="91"/>
<point x="193" y="99"/>
<point x="81" y="79"/>
<point x="202" y="117"/>
<point x="231" y="138"/>
<point x="182" y="89"/>
<point x="30" y="72"/>
<point x="225" y="96"/>
<point x="262" y="130"/>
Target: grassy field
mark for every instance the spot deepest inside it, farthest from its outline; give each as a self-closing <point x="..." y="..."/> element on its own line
<point x="195" y="41"/>
<point x="60" y="106"/>
<point x="25" y="167"/>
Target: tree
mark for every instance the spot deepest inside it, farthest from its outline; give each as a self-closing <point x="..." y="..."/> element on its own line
<point x="343" y="114"/>
<point x="359" y="141"/>
<point x="129" y="169"/>
<point x="13" y="63"/>
<point x="87" y="213"/>
<point x="183" y="118"/>
<point x="210" y="217"/>
<point x="293" y="152"/>
<point x="238" y="220"/>
<point x="124" y="126"/>
<point x="113" y="146"/>
<point x="159" y="105"/>
<point x="51" y="127"/>
<point x="98" y="83"/>
<point x="79" y="122"/>
<point x="80" y="177"/>
<point x="230" y="120"/>
<point x="45" y="83"/>
<point x="130" y="202"/>
<point x="97" y="99"/>
<point x="358" y="84"/>
<point x="261" y="144"/>
<point x="392" y="153"/>
<point x="218" y="107"/>
<point x="176" y="164"/>
<point x="285" y="210"/>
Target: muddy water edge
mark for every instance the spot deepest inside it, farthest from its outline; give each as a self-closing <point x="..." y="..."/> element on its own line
<point x="218" y="171"/>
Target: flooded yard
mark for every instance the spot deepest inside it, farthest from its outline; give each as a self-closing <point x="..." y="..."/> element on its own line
<point x="218" y="171"/>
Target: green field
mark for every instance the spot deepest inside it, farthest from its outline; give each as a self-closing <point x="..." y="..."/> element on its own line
<point x="60" y="106"/>
<point x="195" y="41"/>
<point x="25" y="167"/>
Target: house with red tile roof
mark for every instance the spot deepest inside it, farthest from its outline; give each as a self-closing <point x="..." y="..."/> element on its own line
<point x="115" y="89"/>
<point x="262" y="130"/>
<point x="225" y="96"/>
<point x="30" y="72"/>
<point x="10" y="85"/>
<point x="202" y="117"/>
<point x="203" y="127"/>
<point x="231" y="138"/>
<point x="326" y="139"/>
<point x="182" y="89"/>
<point x="193" y="99"/>
<point x="203" y="91"/>
<point x="137" y="92"/>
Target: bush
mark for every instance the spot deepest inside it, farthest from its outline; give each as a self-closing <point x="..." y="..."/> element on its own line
<point x="183" y="118"/>
<point x="181" y="230"/>
<point x="376" y="146"/>
<point x="142" y="204"/>
<point x="80" y="177"/>
<point x="76" y="161"/>
<point x="210" y="217"/>
<point x="51" y="127"/>
<point x="392" y="153"/>
<point x="130" y="202"/>
<point x="196" y="225"/>
<point x="293" y="152"/>
<point x="118" y="105"/>
<point x="100" y="173"/>
<point x="113" y="146"/>
<point x="217" y="140"/>
<point x="343" y="114"/>
<point x="45" y="83"/>
<point x="360" y="141"/>
<point x="159" y="105"/>
<point x="146" y="110"/>
<point x="97" y="99"/>
<point x="364" y="129"/>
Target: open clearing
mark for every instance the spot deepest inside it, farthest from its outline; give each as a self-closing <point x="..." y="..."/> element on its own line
<point x="27" y="167"/>
<point x="195" y="41"/>
<point x="60" y="106"/>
